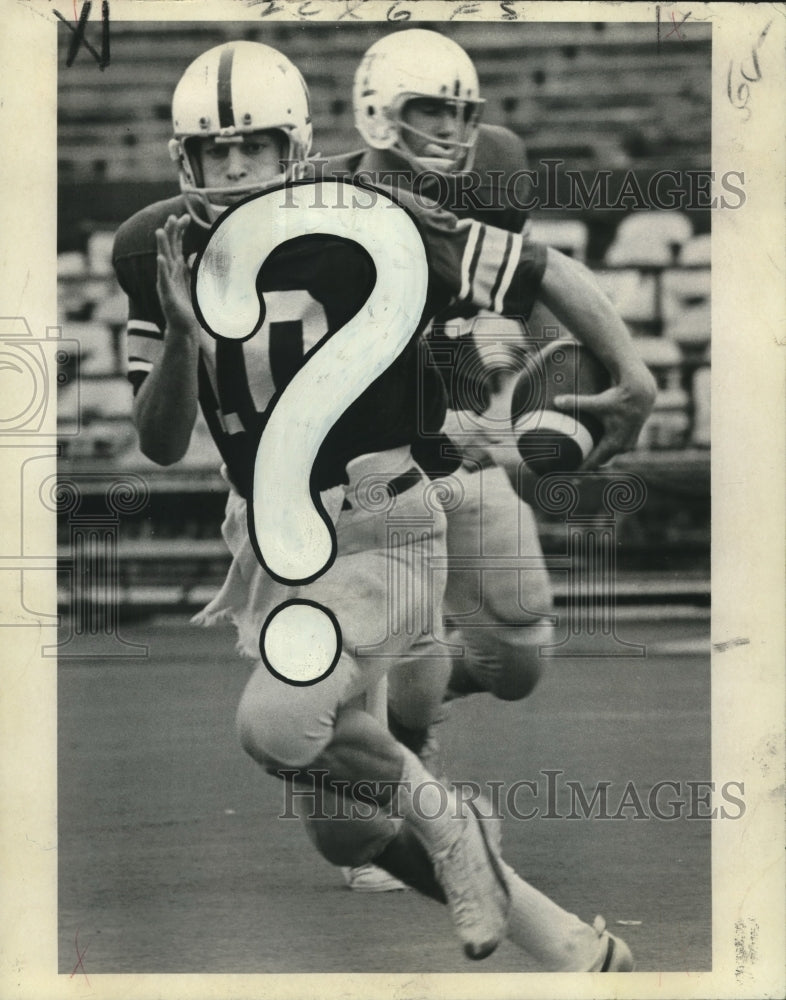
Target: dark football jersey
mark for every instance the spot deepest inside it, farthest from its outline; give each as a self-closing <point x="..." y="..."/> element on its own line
<point x="492" y="192"/>
<point x="311" y="287"/>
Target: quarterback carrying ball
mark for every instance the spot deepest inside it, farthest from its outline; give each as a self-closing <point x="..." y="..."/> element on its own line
<point x="418" y="108"/>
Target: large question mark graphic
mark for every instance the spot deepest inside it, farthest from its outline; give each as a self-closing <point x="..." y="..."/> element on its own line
<point x="293" y="536"/>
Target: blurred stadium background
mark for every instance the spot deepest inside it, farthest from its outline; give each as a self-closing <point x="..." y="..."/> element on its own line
<point x="597" y="96"/>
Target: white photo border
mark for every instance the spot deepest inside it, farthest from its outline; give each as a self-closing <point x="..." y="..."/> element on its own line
<point x="749" y="349"/>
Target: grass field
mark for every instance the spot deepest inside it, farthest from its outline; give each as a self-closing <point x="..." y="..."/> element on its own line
<point x="172" y="860"/>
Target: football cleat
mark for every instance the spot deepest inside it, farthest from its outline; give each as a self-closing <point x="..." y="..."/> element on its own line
<point x="475" y="889"/>
<point x="615" y="955"/>
<point x="370" y="878"/>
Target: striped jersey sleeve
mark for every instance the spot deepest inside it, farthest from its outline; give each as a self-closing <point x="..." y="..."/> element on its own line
<point x="145" y="345"/>
<point x="145" y="329"/>
<point x="488" y="264"/>
<point x="481" y="265"/>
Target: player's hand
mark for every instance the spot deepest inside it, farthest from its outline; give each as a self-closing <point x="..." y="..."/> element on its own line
<point x="479" y="436"/>
<point x="622" y="409"/>
<point x="173" y="281"/>
<point x="481" y="445"/>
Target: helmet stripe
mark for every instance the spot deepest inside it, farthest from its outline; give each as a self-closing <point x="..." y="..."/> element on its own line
<point x="226" y="117"/>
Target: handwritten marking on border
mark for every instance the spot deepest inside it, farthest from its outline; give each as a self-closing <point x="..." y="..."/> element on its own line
<point x="746" y="946"/>
<point x="721" y="647"/>
<point x="739" y="91"/>
<point x="398" y="10"/>
<point x="676" y="28"/>
<point x="80" y="958"/>
<point x="78" y="33"/>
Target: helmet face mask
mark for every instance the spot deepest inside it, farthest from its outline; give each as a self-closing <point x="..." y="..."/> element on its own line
<point x="447" y="151"/>
<point x="233" y="92"/>
<point x="210" y="200"/>
<point x="413" y="66"/>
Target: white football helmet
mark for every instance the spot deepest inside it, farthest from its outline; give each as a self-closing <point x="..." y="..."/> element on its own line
<point x="411" y="64"/>
<point x="231" y="90"/>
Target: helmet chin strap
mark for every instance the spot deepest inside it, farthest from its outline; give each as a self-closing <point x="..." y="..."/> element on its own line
<point x="197" y="198"/>
<point x="431" y="160"/>
<point x="438" y="164"/>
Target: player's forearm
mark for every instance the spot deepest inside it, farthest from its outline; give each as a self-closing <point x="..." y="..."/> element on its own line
<point x="572" y="294"/>
<point x="165" y="407"/>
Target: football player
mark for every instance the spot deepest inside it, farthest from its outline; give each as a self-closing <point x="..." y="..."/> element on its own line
<point x="418" y="108"/>
<point x="240" y="113"/>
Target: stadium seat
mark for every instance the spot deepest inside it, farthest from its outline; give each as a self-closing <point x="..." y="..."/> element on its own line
<point x="669" y="422"/>
<point x="113" y="308"/>
<point x="71" y="264"/>
<point x="696" y="250"/>
<point x="691" y="328"/>
<point x="566" y="235"/>
<point x="98" y="439"/>
<point x="99" y="253"/>
<point x="686" y="306"/>
<point x="652" y="238"/>
<point x="684" y="287"/>
<point x="700" y="436"/>
<point x="96" y="348"/>
<point x="634" y="294"/>
<point x="105" y="398"/>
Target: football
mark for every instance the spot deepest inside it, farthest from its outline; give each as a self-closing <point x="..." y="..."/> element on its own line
<point x="548" y="439"/>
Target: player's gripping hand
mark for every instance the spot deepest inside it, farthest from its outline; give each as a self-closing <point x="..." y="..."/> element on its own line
<point x="487" y="438"/>
<point x="173" y="281"/>
<point x="622" y="409"/>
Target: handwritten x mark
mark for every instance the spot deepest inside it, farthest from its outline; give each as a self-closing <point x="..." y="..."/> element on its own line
<point x="79" y="35"/>
<point x="80" y="956"/>
<point x="676" y="28"/>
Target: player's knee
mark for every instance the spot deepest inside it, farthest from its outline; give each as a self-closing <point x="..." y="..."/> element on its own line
<point x="273" y="743"/>
<point x="522" y="663"/>
<point x="252" y="742"/>
<point x="409" y="723"/>
<point x="517" y="681"/>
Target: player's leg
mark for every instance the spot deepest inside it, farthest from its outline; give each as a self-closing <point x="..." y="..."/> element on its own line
<point x="558" y="940"/>
<point x="502" y="614"/>
<point x="421" y="833"/>
<point x="414" y="691"/>
<point x="358" y="752"/>
<point x="351" y="748"/>
<point x="499" y="614"/>
<point x="284" y="726"/>
<point x="420" y="847"/>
